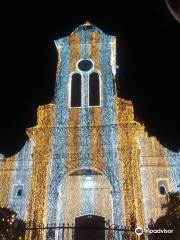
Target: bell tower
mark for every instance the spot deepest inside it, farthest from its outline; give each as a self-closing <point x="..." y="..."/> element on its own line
<point x="86" y="70"/>
<point x="85" y="137"/>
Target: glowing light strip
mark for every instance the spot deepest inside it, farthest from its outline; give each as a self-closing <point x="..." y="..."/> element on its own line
<point x="74" y="42"/>
<point x="21" y="177"/>
<point x="95" y="112"/>
<point x="72" y="185"/>
<point x="59" y="152"/>
<point x="60" y="207"/>
<point x="94" y="48"/>
<point x="41" y="135"/>
<point x="113" y="56"/>
<point x="73" y="125"/>
<point x="6" y="167"/>
<point x="145" y="193"/>
<point x="109" y="131"/>
<point x="174" y="169"/>
<point x="96" y="140"/>
<point x="84" y="122"/>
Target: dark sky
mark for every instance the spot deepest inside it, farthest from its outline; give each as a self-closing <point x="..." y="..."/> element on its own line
<point x="148" y="58"/>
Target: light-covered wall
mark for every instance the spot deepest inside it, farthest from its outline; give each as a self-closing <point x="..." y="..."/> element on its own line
<point x="158" y="167"/>
<point x="127" y="165"/>
<point x="21" y="177"/>
<point x="86" y="137"/>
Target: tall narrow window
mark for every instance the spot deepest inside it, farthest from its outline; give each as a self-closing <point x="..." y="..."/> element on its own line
<point x="94" y="89"/>
<point x="76" y="90"/>
<point x="19" y="192"/>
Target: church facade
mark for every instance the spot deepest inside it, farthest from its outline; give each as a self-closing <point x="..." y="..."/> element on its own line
<point x="87" y="155"/>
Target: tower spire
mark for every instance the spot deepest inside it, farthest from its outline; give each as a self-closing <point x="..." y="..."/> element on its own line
<point x="87" y="23"/>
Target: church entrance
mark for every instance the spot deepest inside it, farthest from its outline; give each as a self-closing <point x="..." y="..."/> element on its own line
<point x="90" y="227"/>
<point x="84" y="192"/>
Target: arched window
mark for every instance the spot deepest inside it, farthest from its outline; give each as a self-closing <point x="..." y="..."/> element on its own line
<point x="94" y="89"/>
<point x="76" y="90"/>
<point x="162" y="190"/>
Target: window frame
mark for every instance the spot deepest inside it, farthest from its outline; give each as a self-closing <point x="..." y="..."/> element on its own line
<point x="82" y="59"/>
<point x="70" y="89"/>
<point x="16" y="188"/>
<point x="100" y="83"/>
<point x="82" y="73"/>
<point x="19" y="189"/>
<point x="164" y="183"/>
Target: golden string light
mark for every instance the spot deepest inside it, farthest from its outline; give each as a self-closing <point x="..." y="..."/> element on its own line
<point x="120" y="154"/>
<point x="6" y="167"/>
<point x="41" y="135"/>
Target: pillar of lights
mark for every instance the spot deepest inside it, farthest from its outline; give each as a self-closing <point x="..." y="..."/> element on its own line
<point x="87" y="160"/>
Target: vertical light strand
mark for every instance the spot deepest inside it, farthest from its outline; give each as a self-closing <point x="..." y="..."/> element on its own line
<point x="96" y="139"/>
<point x="113" y="57"/>
<point x="173" y="159"/>
<point x="84" y="119"/>
<point x="73" y="140"/>
<point x="72" y="187"/>
<point x="102" y="197"/>
<point x="75" y="49"/>
<point x="7" y="167"/>
<point x="109" y="131"/>
<point x="129" y="163"/>
<point x="42" y="136"/>
<point x="94" y="48"/>
<point x="95" y="112"/>
<point x="59" y="149"/>
<point x="139" y="211"/>
<point x="72" y="199"/>
<point x="21" y="179"/>
<point x="73" y="125"/>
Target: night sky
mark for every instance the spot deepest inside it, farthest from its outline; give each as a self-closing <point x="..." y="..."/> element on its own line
<point x="148" y="41"/>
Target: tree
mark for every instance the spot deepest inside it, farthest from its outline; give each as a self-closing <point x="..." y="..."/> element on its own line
<point x="172" y="206"/>
<point x="11" y="228"/>
<point x="170" y="221"/>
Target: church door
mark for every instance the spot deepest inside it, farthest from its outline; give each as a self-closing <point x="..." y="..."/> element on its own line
<point x="90" y="227"/>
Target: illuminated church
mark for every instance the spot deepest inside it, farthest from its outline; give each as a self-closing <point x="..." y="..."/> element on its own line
<point x="87" y="156"/>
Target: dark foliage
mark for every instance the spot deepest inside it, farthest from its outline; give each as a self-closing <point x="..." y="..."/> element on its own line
<point x="170" y="221"/>
<point x="11" y="228"/>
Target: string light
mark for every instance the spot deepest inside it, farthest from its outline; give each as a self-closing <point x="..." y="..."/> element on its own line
<point x="106" y="139"/>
